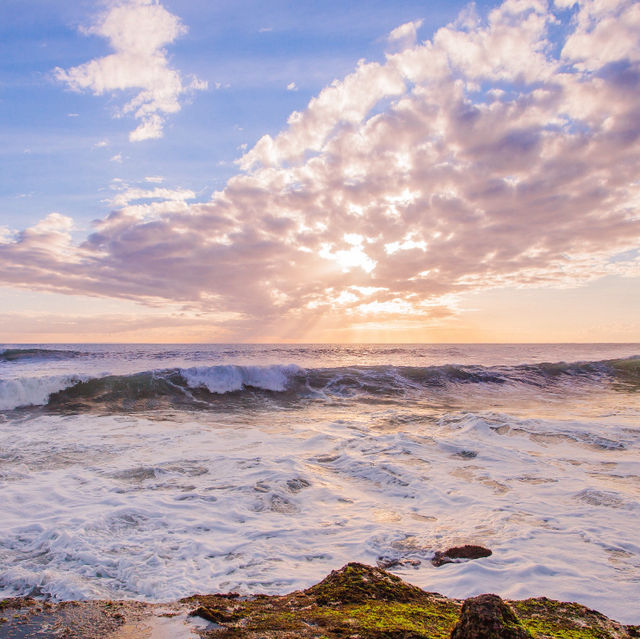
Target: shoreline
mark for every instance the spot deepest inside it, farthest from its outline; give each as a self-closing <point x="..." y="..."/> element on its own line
<point x="356" y="601"/>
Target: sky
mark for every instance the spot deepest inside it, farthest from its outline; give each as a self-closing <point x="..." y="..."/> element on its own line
<point x="250" y="171"/>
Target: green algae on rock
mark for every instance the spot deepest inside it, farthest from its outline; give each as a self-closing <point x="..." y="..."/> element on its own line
<point x="545" y="618"/>
<point x="364" y="602"/>
<point x="356" y="583"/>
<point x="355" y="602"/>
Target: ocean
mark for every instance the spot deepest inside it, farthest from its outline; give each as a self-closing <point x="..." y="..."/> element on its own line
<point x="155" y="472"/>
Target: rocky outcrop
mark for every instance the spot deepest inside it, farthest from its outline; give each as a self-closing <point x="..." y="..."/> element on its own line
<point x="355" y="602"/>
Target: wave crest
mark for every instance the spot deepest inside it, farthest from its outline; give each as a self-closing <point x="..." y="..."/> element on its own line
<point x="230" y="378"/>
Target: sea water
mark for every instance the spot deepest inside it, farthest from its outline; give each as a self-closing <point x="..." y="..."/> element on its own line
<point x="155" y="472"/>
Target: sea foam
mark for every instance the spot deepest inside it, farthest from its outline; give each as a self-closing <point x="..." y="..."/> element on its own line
<point x="230" y="378"/>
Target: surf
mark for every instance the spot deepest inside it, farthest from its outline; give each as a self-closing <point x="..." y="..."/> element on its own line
<point x="208" y="386"/>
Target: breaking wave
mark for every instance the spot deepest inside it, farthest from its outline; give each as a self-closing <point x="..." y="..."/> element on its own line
<point x="203" y="386"/>
<point x="33" y="391"/>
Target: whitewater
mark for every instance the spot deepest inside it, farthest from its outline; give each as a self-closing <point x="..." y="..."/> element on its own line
<point x="156" y="472"/>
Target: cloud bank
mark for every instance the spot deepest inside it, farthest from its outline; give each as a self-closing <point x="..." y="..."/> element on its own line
<point x="136" y="30"/>
<point x="502" y="152"/>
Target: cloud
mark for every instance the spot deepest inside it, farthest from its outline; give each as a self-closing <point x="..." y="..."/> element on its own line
<point x="345" y="102"/>
<point x="119" y="327"/>
<point x="137" y="31"/>
<point x="404" y="36"/>
<point x="488" y="156"/>
<point x="129" y="195"/>
<point x="292" y="86"/>
<point x="5" y="234"/>
<point x="606" y="32"/>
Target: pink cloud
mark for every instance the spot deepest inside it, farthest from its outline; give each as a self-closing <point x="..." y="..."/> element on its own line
<point x="494" y="163"/>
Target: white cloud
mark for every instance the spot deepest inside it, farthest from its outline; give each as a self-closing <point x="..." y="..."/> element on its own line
<point x="5" y="235"/>
<point x="116" y="158"/>
<point x="404" y="36"/>
<point x="347" y="101"/>
<point x="131" y="195"/>
<point x="149" y="129"/>
<point x="607" y="32"/>
<point x="137" y="30"/>
<point x="512" y="46"/>
<point x="292" y="86"/>
<point x="54" y="222"/>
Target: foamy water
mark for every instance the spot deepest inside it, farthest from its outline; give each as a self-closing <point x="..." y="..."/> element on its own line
<point x="158" y="472"/>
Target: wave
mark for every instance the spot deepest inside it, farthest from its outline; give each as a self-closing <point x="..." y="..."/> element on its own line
<point x="196" y="387"/>
<point x="33" y="391"/>
<point x="20" y="354"/>
<point x="204" y="386"/>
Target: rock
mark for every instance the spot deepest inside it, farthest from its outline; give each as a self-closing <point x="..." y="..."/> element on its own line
<point x="355" y="602"/>
<point x="215" y="615"/>
<point x="450" y="555"/>
<point x="387" y="562"/>
<point x="297" y="484"/>
<point x="355" y="583"/>
<point x="488" y="617"/>
<point x="549" y="618"/>
<point x="466" y="454"/>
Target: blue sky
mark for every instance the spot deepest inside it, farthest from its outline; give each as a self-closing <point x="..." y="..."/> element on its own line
<point x="268" y="171"/>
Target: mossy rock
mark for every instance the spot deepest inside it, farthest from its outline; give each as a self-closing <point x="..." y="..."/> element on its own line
<point x="364" y="602"/>
<point x="356" y="583"/>
<point x="548" y="619"/>
<point x="355" y="600"/>
<point x="17" y="602"/>
<point x="293" y="617"/>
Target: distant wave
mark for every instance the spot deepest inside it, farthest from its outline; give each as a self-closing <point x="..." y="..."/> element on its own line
<point x="19" y="354"/>
<point x="207" y="386"/>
